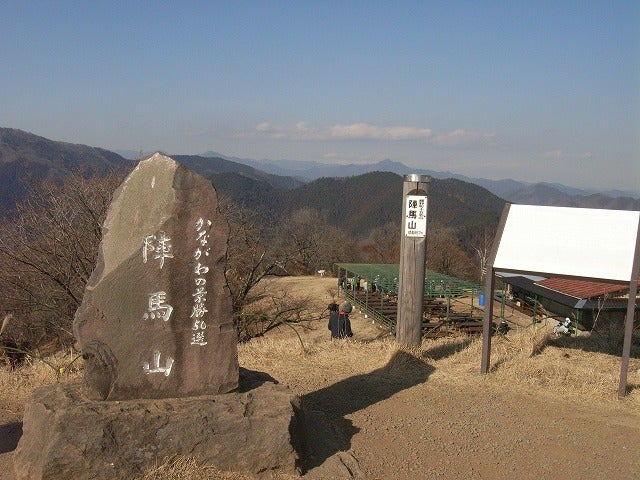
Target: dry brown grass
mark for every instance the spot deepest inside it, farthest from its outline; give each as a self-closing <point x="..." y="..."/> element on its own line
<point x="321" y="363"/>
<point x="533" y="359"/>
<point x="187" y="468"/>
<point x="528" y="358"/>
<point x="16" y="385"/>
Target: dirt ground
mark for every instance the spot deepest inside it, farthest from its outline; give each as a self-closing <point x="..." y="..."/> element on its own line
<point x="383" y="413"/>
<point x="432" y="424"/>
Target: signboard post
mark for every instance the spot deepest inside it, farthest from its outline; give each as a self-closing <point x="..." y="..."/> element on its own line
<point x="413" y="249"/>
<point x="593" y="244"/>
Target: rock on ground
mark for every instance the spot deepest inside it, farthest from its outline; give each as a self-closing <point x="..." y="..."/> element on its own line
<point x="69" y="436"/>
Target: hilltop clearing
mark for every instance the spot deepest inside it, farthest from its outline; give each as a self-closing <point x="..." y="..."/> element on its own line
<point x="379" y="412"/>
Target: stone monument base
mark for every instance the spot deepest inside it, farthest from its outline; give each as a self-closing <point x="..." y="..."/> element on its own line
<point x="65" y="435"/>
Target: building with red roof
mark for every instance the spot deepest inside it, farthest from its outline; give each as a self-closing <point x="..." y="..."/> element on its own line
<point x="583" y="301"/>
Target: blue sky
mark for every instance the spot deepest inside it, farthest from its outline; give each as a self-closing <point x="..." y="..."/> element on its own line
<point x="536" y="91"/>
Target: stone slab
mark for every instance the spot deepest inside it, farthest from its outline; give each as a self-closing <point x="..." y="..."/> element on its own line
<point x="68" y="436"/>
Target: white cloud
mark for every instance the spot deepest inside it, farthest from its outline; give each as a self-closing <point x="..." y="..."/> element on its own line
<point x="299" y="131"/>
<point x="562" y="155"/>
<point x="374" y="132"/>
<point x="263" y="127"/>
<point x="461" y="137"/>
<point x="303" y="131"/>
<point x="355" y="131"/>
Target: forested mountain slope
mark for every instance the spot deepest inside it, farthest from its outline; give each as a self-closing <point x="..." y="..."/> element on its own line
<point x="25" y="156"/>
<point x="359" y="204"/>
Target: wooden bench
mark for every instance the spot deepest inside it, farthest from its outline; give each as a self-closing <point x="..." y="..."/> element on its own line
<point x="435" y="334"/>
<point x="468" y="327"/>
<point x="432" y="324"/>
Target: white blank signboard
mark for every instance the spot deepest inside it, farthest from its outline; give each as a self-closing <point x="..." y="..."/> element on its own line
<point x="580" y="242"/>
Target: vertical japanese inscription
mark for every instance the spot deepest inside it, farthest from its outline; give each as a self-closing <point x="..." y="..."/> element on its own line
<point x="201" y="255"/>
<point x="157" y="247"/>
<point x="416" y="216"/>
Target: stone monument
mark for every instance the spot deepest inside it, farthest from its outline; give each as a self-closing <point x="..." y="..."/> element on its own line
<point x="161" y="364"/>
<point x="155" y="319"/>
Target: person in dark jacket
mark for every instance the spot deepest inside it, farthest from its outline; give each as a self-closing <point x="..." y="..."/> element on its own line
<point x="339" y="322"/>
<point x="334" y="320"/>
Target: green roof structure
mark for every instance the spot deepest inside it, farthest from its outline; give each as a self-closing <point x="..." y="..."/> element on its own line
<point x="386" y="275"/>
<point x="378" y="302"/>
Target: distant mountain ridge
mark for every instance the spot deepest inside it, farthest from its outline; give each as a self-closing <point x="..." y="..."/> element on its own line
<point x="24" y="154"/>
<point x="356" y="204"/>
<point x="23" y="147"/>
<point x="511" y="190"/>
<point x="547" y="194"/>
<point x="217" y="165"/>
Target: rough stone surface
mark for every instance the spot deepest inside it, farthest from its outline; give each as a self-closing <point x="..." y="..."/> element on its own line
<point x="156" y="319"/>
<point x="68" y="436"/>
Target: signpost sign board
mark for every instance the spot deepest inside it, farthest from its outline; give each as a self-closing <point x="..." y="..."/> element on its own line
<point x="415" y="222"/>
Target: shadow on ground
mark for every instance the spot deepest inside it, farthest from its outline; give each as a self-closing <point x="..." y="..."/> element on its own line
<point x="446" y="350"/>
<point x="10" y="434"/>
<point x="328" y="431"/>
<point x="609" y="344"/>
<point x="250" y="379"/>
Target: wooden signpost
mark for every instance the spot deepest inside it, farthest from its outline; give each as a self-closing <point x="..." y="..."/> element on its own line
<point x="413" y="248"/>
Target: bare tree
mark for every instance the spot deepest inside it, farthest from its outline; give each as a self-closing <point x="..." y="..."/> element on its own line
<point x="481" y="244"/>
<point x="250" y="252"/>
<point x="313" y="243"/>
<point x="383" y="244"/>
<point x="444" y="255"/>
<point x="277" y="309"/>
<point x="258" y="248"/>
<point x="48" y="250"/>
